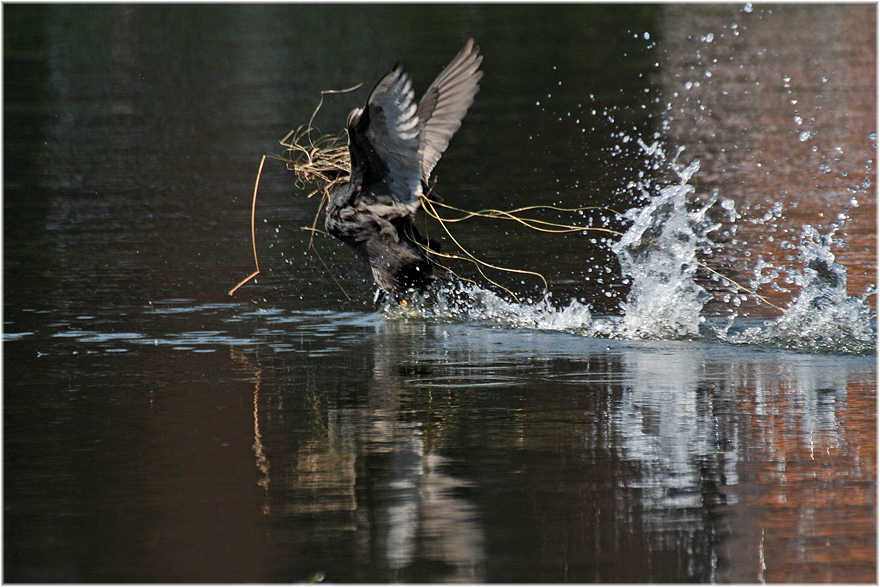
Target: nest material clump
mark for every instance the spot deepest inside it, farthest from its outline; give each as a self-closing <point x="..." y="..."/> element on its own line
<point x="322" y="163"/>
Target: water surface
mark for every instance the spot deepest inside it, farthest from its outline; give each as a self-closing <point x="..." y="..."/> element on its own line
<point x="156" y="429"/>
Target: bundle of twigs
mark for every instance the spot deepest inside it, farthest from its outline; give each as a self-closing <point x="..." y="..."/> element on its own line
<point x="320" y="163"/>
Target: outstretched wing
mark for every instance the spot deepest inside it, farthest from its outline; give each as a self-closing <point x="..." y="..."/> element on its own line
<point x="444" y="105"/>
<point x="384" y="139"/>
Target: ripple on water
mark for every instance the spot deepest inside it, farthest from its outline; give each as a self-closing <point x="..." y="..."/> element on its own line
<point x="179" y="326"/>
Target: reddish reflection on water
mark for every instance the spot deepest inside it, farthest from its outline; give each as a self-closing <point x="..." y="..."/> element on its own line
<point x="791" y="477"/>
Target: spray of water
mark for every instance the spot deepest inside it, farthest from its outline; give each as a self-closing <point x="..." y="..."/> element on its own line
<point x="823" y="318"/>
<point x="660" y="254"/>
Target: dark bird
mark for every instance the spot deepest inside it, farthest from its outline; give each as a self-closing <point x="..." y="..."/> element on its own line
<point x="394" y="146"/>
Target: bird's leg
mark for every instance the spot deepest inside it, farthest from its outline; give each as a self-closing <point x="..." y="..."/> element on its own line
<point x="380" y="297"/>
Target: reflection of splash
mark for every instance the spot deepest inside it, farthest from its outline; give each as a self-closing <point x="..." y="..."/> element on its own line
<point x="664" y="428"/>
<point x="424" y="516"/>
<point x="698" y="458"/>
<point x="686" y="447"/>
<point x="414" y="513"/>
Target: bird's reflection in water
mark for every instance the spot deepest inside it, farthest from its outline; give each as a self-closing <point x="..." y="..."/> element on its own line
<point x="371" y="470"/>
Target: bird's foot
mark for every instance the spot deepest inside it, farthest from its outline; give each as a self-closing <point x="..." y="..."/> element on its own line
<point x="380" y="297"/>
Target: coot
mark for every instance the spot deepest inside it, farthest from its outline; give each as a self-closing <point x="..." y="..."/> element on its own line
<point x="394" y="146"/>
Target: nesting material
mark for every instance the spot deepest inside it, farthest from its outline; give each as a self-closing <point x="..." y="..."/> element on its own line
<point x="321" y="163"/>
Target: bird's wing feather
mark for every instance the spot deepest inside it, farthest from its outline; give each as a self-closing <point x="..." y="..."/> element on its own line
<point x="445" y="104"/>
<point x="392" y="132"/>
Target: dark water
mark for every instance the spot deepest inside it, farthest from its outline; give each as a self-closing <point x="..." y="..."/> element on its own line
<point x="156" y="429"/>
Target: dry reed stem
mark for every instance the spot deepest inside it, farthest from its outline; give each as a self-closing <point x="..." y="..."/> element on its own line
<point x="322" y="162"/>
<point x="428" y="205"/>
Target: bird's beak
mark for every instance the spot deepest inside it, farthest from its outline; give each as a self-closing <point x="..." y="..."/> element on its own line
<point x="353" y="117"/>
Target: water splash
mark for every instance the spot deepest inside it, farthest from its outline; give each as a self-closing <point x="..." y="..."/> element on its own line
<point x="660" y="254"/>
<point x="823" y="318"/>
<point x="466" y="302"/>
<point x="708" y="91"/>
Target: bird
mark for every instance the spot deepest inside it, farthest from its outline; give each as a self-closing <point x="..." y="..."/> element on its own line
<point x="394" y="146"/>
